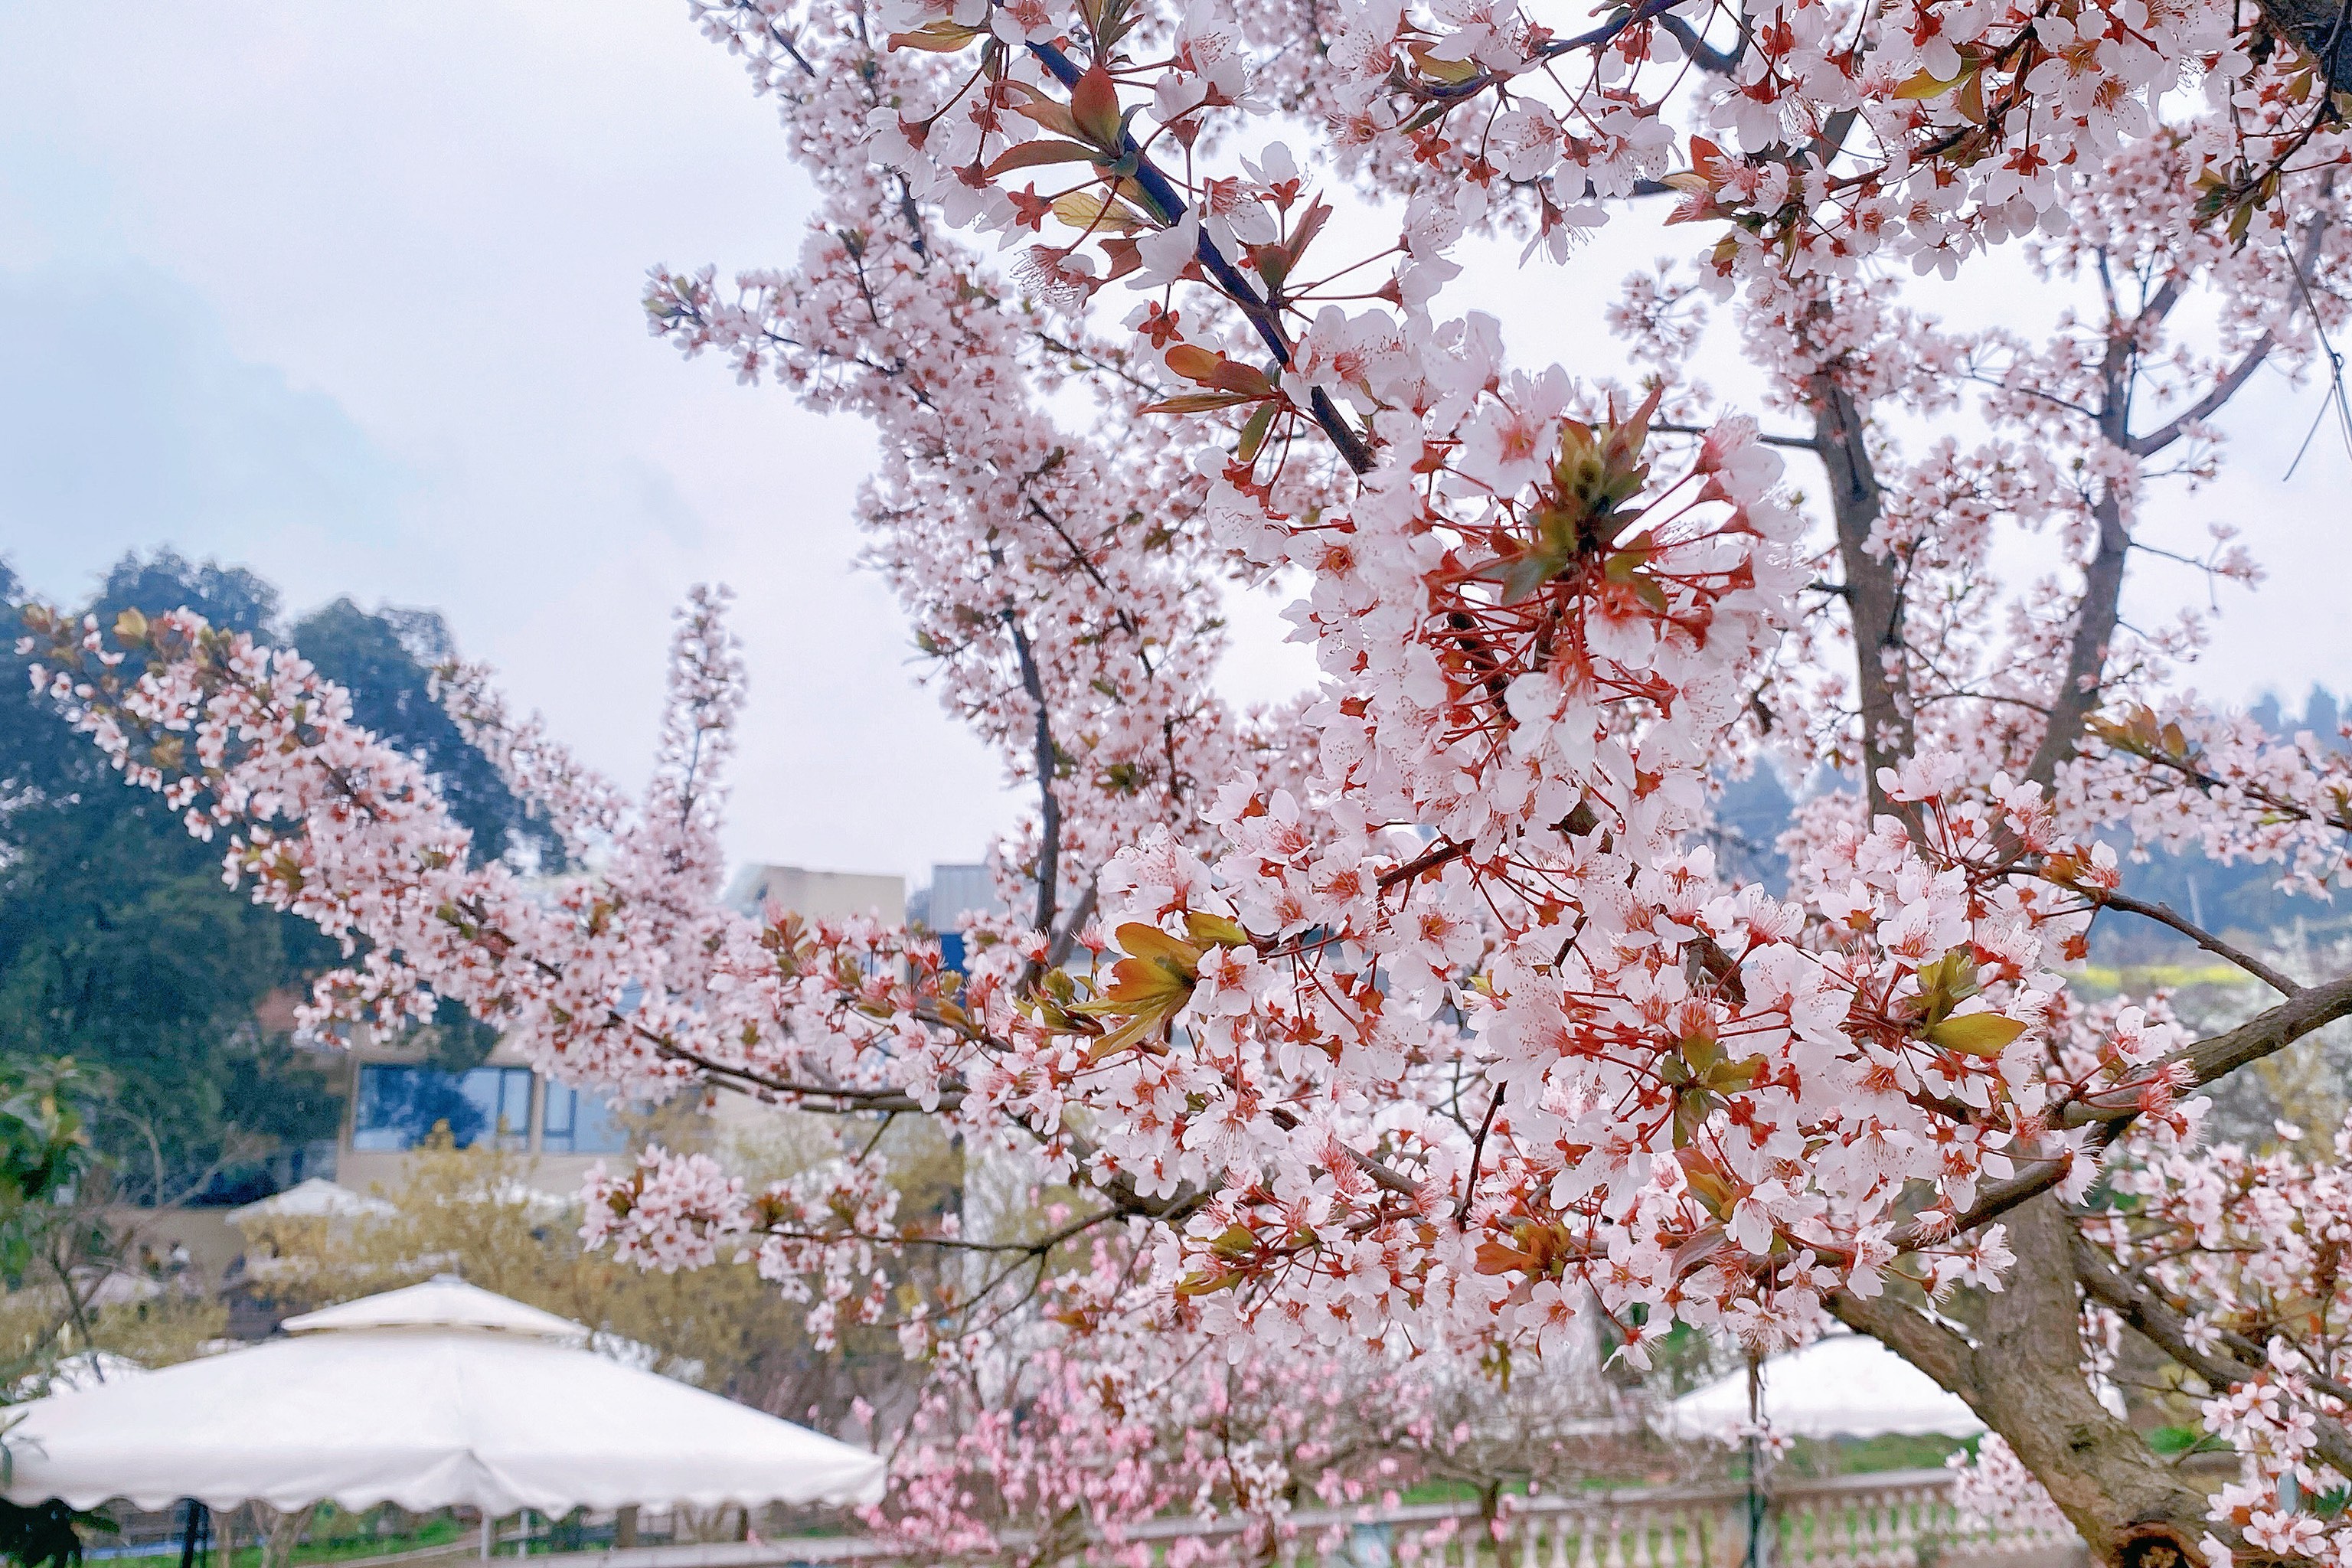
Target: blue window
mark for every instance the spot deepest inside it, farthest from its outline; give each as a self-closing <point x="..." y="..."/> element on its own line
<point x="399" y="1106"/>
<point x="951" y="952"/>
<point x="580" y="1124"/>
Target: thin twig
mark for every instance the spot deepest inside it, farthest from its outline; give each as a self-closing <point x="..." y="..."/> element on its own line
<point x="1477" y="1152"/>
<point x="1427" y="860"/>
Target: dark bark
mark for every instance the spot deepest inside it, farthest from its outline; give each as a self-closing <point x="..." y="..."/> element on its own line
<point x="2264" y="1034"/>
<point x="2319" y="28"/>
<point x="2111" y="1486"/>
<point x="1874" y="598"/>
<point x="2078" y="693"/>
<point x="1047" y="761"/>
<point x="2232" y="1360"/>
<point x="2014" y="1355"/>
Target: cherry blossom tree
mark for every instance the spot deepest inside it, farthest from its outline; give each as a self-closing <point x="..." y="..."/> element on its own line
<point x="1418" y="1018"/>
<point x="1070" y="1442"/>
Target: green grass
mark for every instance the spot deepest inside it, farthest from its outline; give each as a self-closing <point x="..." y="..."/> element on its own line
<point x="325" y="1546"/>
<point x="337" y="1536"/>
<point x="1862" y="1456"/>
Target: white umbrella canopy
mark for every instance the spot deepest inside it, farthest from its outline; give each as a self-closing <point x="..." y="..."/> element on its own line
<point x="317" y="1198"/>
<point x="444" y="1302"/>
<point x="1846" y="1385"/>
<point x="439" y="1395"/>
<point x="84" y="1369"/>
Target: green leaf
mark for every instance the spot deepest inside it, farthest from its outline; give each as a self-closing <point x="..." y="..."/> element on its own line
<point x="940" y="38"/>
<point x="1149" y="941"/>
<point x="1253" y="432"/>
<point x="1097" y="210"/>
<point x="1945" y="984"/>
<point x="1197" y="402"/>
<point x="1923" y="85"/>
<point x="1976" y="1034"/>
<point x="1214" y="930"/>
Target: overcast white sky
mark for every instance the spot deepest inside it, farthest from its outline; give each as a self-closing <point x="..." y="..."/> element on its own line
<point x="348" y="294"/>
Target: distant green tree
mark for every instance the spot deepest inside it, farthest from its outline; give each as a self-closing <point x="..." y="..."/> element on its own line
<point x="121" y="947"/>
<point x="225" y="596"/>
<point x="43" y="1153"/>
<point x="384" y="658"/>
<point x="122" y="952"/>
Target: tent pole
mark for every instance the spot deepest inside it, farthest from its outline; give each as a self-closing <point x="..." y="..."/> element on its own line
<point x="194" y="1534"/>
<point x="1759" y="1500"/>
<point x="490" y="1534"/>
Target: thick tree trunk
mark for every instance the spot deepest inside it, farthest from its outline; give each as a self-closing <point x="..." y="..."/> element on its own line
<point x="2028" y="1367"/>
<point x="2020" y="1367"/>
<point x="2015" y="1355"/>
<point x="2321" y="29"/>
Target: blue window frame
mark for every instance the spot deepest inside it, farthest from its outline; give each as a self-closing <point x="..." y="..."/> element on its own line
<point x="579" y="1124"/>
<point x="399" y="1106"/>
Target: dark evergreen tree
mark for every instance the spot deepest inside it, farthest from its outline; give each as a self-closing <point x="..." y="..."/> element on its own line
<point x="121" y="947"/>
<point x="385" y="659"/>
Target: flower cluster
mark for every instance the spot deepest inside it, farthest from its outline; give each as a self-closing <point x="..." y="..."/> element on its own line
<point x="2233" y="1263"/>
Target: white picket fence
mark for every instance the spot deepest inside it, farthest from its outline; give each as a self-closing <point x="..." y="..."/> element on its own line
<point x="1901" y="1519"/>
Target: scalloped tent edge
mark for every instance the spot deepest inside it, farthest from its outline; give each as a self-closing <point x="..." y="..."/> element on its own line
<point x="437" y="1395"/>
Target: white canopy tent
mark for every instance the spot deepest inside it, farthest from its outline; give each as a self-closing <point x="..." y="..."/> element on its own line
<point x="84" y="1369"/>
<point x="1846" y="1385"/>
<point x="438" y="1395"/>
<point x="317" y="1198"/>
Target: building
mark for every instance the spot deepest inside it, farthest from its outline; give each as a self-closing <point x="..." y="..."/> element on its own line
<point x="394" y="1098"/>
<point x="819" y="894"/>
<point x="394" y="1095"/>
<point x="955" y="891"/>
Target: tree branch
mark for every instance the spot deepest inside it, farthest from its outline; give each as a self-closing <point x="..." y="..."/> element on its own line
<point x="2317" y="26"/>
<point x="1429" y="859"/>
<point x="2205" y="407"/>
<point x="2312" y="1008"/>
<point x="1169" y="206"/>
<point x="1933" y="1346"/>
<point x="2164" y="914"/>
<point x="1073" y="924"/>
<point x="1874" y="602"/>
<point x="1795" y="443"/>
<point x="1708" y="58"/>
<point x="2131" y="1298"/>
<point x="2079" y="688"/>
<point x="1049" y="809"/>
<point x="2267" y="1034"/>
